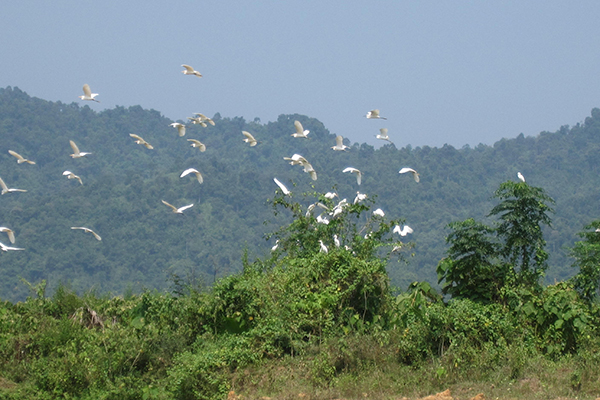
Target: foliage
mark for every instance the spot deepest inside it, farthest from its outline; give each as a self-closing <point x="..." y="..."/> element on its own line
<point x="587" y="259"/>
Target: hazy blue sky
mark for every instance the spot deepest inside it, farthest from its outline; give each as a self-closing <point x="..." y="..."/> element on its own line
<point x="457" y="72"/>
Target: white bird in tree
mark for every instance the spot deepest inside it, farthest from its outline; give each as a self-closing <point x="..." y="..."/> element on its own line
<point x="374" y="114"/>
<point x="76" y="152"/>
<point x="353" y="170"/>
<point x="20" y="158"/>
<point x="71" y="175"/>
<point x="323" y="247"/>
<point x="379" y="212"/>
<point x="322" y="220"/>
<point x="176" y="210"/>
<point x="190" y="71"/>
<point x="192" y="171"/>
<point x="249" y="139"/>
<point x="198" y="144"/>
<point x="276" y="245"/>
<point x="339" y="207"/>
<point x="6" y="189"/>
<point x="412" y="171"/>
<point x="180" y="128"/>
<point x="339" y="144"/>
<point x="405" y="230"/>
<point x="520" y="176"/>
<point x="141" y="141"/>
<point x="88" y="95"/>
<point x="285" y="190"/>
<point x="4" y="247"/>
<point x="88" y="230"/>
<point x="330" y="195"/>
<point x="383" y="135"/>
<point x="359" y="197"/>
<point x="336" y="241"/>
<point x="9" y="232"/>
<point x="300" y="131"/>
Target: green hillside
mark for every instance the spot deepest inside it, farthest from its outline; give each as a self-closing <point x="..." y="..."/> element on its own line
<point x="143" y="243"/>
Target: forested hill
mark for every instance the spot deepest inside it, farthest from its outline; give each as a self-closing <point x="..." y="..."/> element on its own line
<point x="143" y="242"/>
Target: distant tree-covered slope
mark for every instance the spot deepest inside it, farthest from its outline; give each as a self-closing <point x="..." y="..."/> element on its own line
<point x="143" y="242"/>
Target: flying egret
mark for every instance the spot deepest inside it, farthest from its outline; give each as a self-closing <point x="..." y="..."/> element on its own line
<point x="379" y="212"/>
<point x="412" y="171"/>
<point x="20" y="158"/>
<point x="88" y="95"/>
<point x="359" y="197"/>
<point x="5" y="188"/>
<point x="339" y="144"/>
<point x="192" y="171"/>
<point x="297" y="159"/>
<point x="176" y="210"/>
<point x="4" y="247"/>
<point x="9" y="232"/>
<point x="203" y="119"/>
<point x="71" y="175"/>
<point x="374" y="114"/>
<point x="249" y="139"/>
<point x="339" y="208"/>
<point x="520" y="176"/>
<point x="141" y="141"/>
<point x="300" y="131"/>
<point x="88" y="230"/>
<point x="383" y="135"/>
<point x="354" y="171"/>
<point x="180" y="128"/>
<point x="197" y="121"/>
<point x="198" y="144"/>
<point x="285" y="190"/>
<point x="405" y="230"/>
<point x="323" y="247"/>
<point x="76" y="152"/>
<point x="190" y="71"/>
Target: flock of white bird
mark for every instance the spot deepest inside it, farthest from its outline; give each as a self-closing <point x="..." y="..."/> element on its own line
<point x="203" y="120"/>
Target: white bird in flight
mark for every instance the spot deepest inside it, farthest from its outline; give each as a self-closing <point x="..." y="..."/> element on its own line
<point x="141" y="141"/>
<point x="179" y="210"/>
<point x="190" y="71"/>
<point x="20" y="158"/>
<point x="88" y="95"/>
<point x="374" y="114"/>
<point x="412" y="171"/>
<point x="9" y="232"/>
<point x="71" y="175"/>
<point x="4" y="247"/>
<point x="520" y="176"/>
<point x="339" y="144"/>
<point x="202" y="119"/>
<point x="192" y="171"/>
<point x="300" y="131"/>
<point x="383" y="135"/>
<point x="354" y="171"/>
<point x="285" y="190"/>
<point x="180" y="128"/>
<point x="322" y="220"/>
<point x="297" y="159"/>
<point x="379" y="212"/>
<point x="198" y="144"/>
<point x="88" y="230"/>
<point x="249" y="139"/>
<point x="405" y="230"/>
<point x="5" y="189"/>
<point x="76" y="152"/>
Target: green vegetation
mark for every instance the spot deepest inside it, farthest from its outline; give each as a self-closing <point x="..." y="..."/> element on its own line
<point x="305" y="322"/>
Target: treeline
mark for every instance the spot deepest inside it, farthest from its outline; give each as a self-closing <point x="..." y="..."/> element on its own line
<point x="144" y="244"/>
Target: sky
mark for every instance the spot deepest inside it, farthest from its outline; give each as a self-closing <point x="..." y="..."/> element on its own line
<point x="443" y="72"/>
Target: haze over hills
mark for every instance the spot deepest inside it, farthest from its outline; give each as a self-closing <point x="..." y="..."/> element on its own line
<point x="143" y="242"/>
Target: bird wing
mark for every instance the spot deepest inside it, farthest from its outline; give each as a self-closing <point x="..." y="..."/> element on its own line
<point x="133" y="135"/>
<point x="188" y="171"/>
<point x="170" y="205"/>
<point x="14" y="153"/>
<point x="188" y="68"/>
<point x="249" y="136"/>
<point x="87" y="91"/>
<point x="339" y="141"/>
<point x="350" y="169"/>
<point x="181" y="209"/>
<point x="281" y="186"/>
<point x="95" y="234"/>
<point x="3" y="185"/>
<point x="74" y="147"/>
<point x="181" y="130"/>
<point x="299" y="128"/>
<point x="9" y="232"/>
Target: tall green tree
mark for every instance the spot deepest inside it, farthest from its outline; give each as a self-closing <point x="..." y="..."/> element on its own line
<point x="587" y="258"/>
<point x="522" y="212"/>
